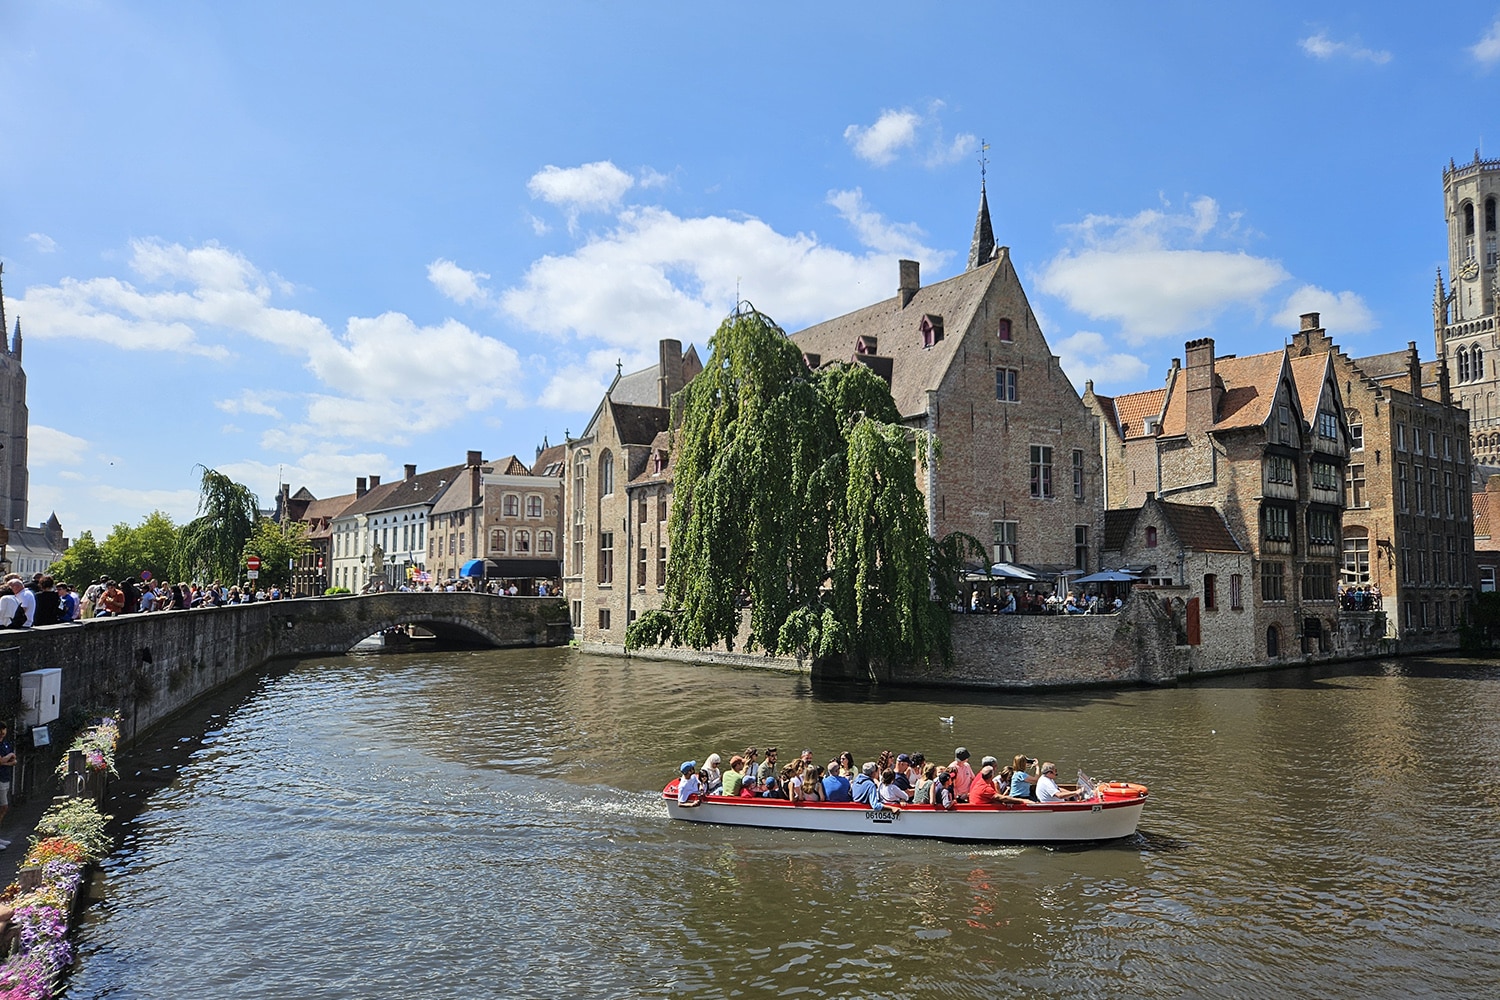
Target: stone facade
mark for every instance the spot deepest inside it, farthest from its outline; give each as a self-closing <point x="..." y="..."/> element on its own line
<point x="1408" y="528"/>
<point x="1264" y="440"/>
<point x="523" y="518"/>
<point x="14" y="426"/>
<point x="1486" y="537"/>
<point x="456" y="524"/>
<point x="1464" y="326"/>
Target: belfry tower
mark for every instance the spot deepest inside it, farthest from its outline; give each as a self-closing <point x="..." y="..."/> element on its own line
<point x="13" y="422"/>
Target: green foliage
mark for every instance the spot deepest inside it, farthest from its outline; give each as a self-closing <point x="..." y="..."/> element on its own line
<point x="332" y="591"/>
<point x="149" y="546"/>
<point x="213" y="542"/>
<point x="795" y="490"/>
<point x="80" y="821"/>
<point x="277" y="545"/>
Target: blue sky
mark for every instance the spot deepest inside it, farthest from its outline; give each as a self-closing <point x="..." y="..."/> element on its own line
<point x="319" y="240"/>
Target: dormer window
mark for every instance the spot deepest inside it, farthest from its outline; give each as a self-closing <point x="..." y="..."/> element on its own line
<point x="865" y="345"/>
<point x="932" y="330"/>
<point x="812" y="361"/>
<point x="659" y="462"/>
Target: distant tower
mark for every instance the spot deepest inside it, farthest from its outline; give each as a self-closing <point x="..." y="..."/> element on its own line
<point x="982" y="246"/>
<point x="13" y="422"/>
<point x="1464" y="308"/>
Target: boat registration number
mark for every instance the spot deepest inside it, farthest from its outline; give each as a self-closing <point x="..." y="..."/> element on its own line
<point x="881" y="816"/>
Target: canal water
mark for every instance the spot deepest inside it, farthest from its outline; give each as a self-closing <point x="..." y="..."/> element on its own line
<point x="488" y="824"/>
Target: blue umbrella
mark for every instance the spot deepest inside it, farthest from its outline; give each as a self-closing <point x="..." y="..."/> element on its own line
<point x="1109" y="576"/>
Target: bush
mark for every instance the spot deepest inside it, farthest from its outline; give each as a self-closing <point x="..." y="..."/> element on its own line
<point x="333" y="591"/>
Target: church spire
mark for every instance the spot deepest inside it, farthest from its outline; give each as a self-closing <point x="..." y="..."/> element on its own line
<point x="982" y="246"/>
<point x="15" y="345"/>
<point x="4" y="329"/>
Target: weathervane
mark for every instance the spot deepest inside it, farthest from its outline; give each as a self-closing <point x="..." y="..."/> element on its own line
<point x="984" y="161"/>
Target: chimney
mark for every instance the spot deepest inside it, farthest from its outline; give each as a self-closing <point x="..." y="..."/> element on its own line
<point x="411" y="470"/>
<point x="669" y="380"/>
<point x="473" y="458"/>
<point x="1310" y="321"/>
<point x="1414" y="368"/>
<point x="1202" y="391"/>
<point x="359" y="487"/>
<point x="374" y="481"/>
<point x="911" y="281"/>
<point x="476" y="484"/>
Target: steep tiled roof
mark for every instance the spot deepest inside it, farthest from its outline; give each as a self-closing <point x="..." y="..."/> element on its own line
<point x="457" y="495"/>
<point x="550" y="461"/>
<point x="1249" y="388"/>
<point x="1483" y="521"/>
<point x="638" y="424"/>
<point x="1117" y="525"/>
<point x="1133" y="408"/>
<point x="1199" y="527"/>
<point x="637" y="388"/>
<point x="1308" y="375"/>
<point x="915" y="369"/>
<point x="425" y="487"/>
<point x="511" y="466"/>
<point x="661" y="443"/>
<point x="1383" y="366"/>
<point x="319" y="510"/>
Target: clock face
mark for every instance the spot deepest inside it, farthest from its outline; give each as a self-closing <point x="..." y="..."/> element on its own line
<point x="1469" y="269"/>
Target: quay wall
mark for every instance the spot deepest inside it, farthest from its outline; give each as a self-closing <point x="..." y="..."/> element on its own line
<point x="152" y="665"/>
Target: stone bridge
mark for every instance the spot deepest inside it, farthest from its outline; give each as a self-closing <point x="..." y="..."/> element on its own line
<point x="149" y="666"/>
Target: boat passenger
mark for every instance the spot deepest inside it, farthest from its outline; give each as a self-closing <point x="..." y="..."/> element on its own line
<point x="922" y="792"/>
<point x="713" y="779"/>
<point x="942" y="789"/>
<point x="963" y="774"/>
<point x="734" y="777"/>
<point x="1021" y="783"/>
<point x="903" y="777"/>
<point x="750" y="788"/>
<point x="812" y="784"/>
<point x="890" y="792"/>
<point x="836" y="786"/>
<point x="791" y="780"/>
<point x="773" y="789"/>
<point x="688" y="788"/>
<point x="983" y="792"/>
<point x="768" y="769"/>
<point x="1046" y="786"/>
<point x="864" y="789"/>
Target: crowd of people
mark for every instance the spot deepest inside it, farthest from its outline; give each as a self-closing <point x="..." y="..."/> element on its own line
<point x="888" y="782"/>
<point x="1006" y="601"/>
<point x="1366" y="598"/>
<point x="44" y="601"/>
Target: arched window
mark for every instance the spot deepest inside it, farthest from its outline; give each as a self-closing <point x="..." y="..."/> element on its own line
<point x="1468" y="218"/>
<point x="497" y="540"/>
<point x="580" y="473"/>
<point x="606" y="474"/>
<point x="1476" y="362"/>
<point x="544" y="542"/>
<point x="1463" y="364"/>
<point x="523" y="542"/>
<point x="1489" y="215"/>
<point x="533" y="505"/>
<point x="511" y="506"/>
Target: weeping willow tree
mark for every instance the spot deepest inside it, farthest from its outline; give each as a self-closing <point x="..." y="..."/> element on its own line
<point x="795" y="494"/>
<point x="212" y="541"/>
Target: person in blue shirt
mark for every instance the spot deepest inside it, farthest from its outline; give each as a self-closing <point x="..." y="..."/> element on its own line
<point x="836" y="786"/>
<point x="864" y="789"/>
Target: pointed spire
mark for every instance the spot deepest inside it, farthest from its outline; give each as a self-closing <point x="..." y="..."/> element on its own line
<point x="982" y="246"/>
<point x="15" y="344"/>
<point x="4" y="329"/>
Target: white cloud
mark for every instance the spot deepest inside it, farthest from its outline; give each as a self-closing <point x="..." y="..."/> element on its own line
<point x="43" y="242"/>
<point x="1086" y="355"/>
<point x="1341" y="312"/>
<point x="591" y="187"/>
<point x="326" y="473"/>
<point x="1148" y="273"/>
<point x="49" y="446"/>
<point x="456" y="283"/>
<point x="960" y="146"/>
<point x="213" y="291"/>
<point x="181" y="505"/>
<point x="1487" y="50"/>
<point x="879" y="143"/>
<point x="252" y="401"/>
<point x="875" y="232"/>
<point x="657" y="275"/>
<point x="1320" y="46"/>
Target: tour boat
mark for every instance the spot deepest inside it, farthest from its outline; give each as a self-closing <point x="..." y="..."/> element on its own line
<point x="1114" y="811"/>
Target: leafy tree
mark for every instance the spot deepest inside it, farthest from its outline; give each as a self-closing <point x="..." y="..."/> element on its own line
<point x="278" y="545"/>
<point x="151" y="546"/>
<point x="213" y="541"/>
<point x="82" y="564"/>
<point x="797" y="490"/>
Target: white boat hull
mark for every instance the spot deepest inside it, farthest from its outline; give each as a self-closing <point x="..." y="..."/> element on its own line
<point x="1106" y="818"/>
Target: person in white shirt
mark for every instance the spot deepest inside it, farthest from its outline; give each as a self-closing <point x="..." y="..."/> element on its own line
<point x="688" y="788"/>
<point x="1046" y="786"/>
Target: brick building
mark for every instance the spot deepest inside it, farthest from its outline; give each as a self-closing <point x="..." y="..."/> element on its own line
<point x="311" y="573"/>
<point x="1263" y="439"/>
<point x="1486" y="505"/>
<point x="623" y="446"/>
<point x="456" y="525"/>
<point x="1408" y="527"/>
<point x="967" y="360"/>
<point x="523" y="519"/>
<point x="1189" y="558"/>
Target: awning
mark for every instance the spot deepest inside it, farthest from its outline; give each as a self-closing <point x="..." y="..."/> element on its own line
<point x="521" y="568"/>
<point x="472" y="568"/>
<point x="1109" y="576"/>
<point x="1003" y="571"/>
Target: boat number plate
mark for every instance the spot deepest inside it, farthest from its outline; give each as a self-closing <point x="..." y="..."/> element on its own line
<point x="881" y="816"/>
<point x="1096" y="808"/>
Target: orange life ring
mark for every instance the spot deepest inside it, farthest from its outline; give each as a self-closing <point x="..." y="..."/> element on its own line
<point x="1123" y="789"/>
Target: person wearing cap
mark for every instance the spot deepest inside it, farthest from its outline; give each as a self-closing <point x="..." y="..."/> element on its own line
<point x="963" y="774"/>
<point x="734" y="778"/>
<point x="864" y="789"/>
<point x="688" y="787"/>
<point x="1046" y="786"/>
<point x="902" y="772"/>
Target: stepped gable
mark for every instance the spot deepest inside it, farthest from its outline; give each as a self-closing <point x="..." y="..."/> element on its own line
<point x="915" y="368"/>
<point x="1132" y="410"/>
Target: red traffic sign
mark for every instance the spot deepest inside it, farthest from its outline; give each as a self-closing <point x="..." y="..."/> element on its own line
<point x="253" y="563"/>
